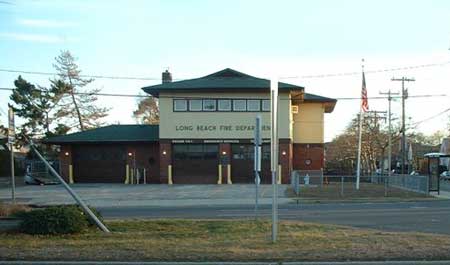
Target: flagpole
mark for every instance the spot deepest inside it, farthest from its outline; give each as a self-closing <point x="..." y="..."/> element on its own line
<point x="358" y="166"/>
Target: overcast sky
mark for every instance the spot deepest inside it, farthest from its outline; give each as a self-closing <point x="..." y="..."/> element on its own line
<point x="194" y="38"/>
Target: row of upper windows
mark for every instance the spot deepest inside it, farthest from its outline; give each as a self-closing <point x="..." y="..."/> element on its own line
<point x="239" y="105"/>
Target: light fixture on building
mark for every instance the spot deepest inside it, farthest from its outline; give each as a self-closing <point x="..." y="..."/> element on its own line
<point x="164" y="152"/>
<point x="66" y="153"/>
<point x="224" y="152"/>
<point x="283" y="153"/>
<point x="130" y="154"/>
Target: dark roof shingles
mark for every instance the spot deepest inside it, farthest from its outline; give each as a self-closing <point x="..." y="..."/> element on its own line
<point x="111" y="133"/>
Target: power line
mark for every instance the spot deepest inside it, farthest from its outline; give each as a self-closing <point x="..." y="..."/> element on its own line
<point x="431" y="117"/>
<point x="313" y="76"/>
<point x="368" y="71"/>
<point x="196" y="97"/>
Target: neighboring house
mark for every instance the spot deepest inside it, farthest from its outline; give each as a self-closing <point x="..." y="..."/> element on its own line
<point x="205" y="133"/>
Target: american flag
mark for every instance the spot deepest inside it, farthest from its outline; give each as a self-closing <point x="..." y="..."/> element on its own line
<point x="364" y="99"/>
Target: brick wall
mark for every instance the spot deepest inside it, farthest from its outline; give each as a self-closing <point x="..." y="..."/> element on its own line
<point x="285" y="160"/>
<point x="165" y="159"/>
<point x="313" y="152"/>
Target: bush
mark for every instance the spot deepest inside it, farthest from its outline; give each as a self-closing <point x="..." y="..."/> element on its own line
<point x="55" y="220"/>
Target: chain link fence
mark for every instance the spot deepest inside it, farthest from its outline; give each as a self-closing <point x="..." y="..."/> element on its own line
<point x="304" y="184"/>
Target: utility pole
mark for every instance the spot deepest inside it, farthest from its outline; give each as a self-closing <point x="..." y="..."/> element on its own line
<point x="404" y="97"/>
<point x="389" y="93"/>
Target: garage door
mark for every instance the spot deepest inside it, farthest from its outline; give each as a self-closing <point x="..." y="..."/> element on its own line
<point x="99" y="164"/>
<point x="242" y="164"/>
<point x="195" y="163"/>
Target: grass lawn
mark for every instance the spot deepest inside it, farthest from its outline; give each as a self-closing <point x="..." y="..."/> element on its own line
<point x="367" y="192"/>
<point x="189" y="240"/>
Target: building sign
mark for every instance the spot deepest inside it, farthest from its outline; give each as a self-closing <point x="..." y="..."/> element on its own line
<point x="221" y="128"/>
<point x="11" y="128"/>
<point x="216" y="141"/>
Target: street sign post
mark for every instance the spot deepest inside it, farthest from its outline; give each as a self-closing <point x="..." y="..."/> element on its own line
<point x="274" y="154"/>
<point x="257" y="159"/>
<point x="11" y="139"/>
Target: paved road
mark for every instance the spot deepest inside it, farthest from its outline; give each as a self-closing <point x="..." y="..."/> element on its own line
<point x="430" y="216"/>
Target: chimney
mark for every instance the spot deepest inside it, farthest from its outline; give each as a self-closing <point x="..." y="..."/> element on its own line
<point x="166" y="77"/>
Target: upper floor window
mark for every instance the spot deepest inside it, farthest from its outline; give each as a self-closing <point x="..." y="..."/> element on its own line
<point x="239" y="105"/>
<point x="221" y="104"/>
<point x="224" y="104"/>
<point x="253" y="105"/>
<point x="195" y="104"/>
<point x="180" y="104"/>
<point x="209" y="105"/>
<point x="265" y="105"/>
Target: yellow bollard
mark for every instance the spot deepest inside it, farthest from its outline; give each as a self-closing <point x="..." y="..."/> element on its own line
<point x="219" y="181"/>
<point x="169" y="174"/>
<point x="279" y="174"/>
<point x="229" y="174"/>
<point x="70" y="174"/>
<point x="127" y="174"/>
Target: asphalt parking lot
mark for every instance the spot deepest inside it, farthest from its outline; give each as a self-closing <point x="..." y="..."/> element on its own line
<point x="110" y="195"/>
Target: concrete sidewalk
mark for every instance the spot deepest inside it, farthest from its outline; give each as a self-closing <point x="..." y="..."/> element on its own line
<point x="110" y="195"/>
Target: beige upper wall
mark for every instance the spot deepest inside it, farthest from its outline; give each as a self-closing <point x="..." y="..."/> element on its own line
<point x="219" y="125"/>
<point x="308" y="124"/>
<point x="304" y="127"/>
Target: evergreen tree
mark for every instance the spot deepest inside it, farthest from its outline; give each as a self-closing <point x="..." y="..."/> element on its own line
<point x="36" y="106"/>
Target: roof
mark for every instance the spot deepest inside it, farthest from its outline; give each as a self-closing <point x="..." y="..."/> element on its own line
<point x="111" y="133"/>
<point x="329" y="103"/>
<point x="224" y="80"/>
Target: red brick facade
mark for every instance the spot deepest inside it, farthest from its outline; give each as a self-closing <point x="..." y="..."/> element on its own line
<point x="285" y="160"/>
<point x="305" y="153"/>
<point x="165" y="158"/>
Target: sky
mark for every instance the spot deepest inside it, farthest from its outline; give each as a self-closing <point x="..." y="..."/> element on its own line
<point x="301" y="40"/>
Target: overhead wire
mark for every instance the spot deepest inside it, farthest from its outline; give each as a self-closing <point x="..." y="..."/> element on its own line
<point x="197" y="97"/>
<point x="313" y="76"/>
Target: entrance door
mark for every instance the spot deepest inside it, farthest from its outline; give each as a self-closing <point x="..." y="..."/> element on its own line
<point x="242" y="164"/>
<point x="195" y="163"/>
<point x="99" y="164"/>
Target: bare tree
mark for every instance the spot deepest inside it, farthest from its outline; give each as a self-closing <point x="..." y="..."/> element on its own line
<point x="77" y="105"/>
<point x="147" y="111"/>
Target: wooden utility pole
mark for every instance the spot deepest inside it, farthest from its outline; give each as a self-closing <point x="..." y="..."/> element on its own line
<point x="389" y="93"/>
<point x="404" y="97"/>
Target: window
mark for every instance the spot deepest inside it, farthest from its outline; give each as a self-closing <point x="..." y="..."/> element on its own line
<point x="180" y="104"/>
<point x="266" y="105"/>
<point x="224" y="104"/>
<point x="209" y="105"/>
<point x="195" y="105"/>
<point x="239" y="105"/>
<point x="253" y="105"/>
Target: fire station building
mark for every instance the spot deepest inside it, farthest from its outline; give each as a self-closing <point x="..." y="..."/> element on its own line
<point x="204" y="136"/>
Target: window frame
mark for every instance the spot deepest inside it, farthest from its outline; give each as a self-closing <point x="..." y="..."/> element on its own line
<point x="201" y="105"/>
<point x="262" y="105"/>
<point x="179" y="110"/>
<point x="209" y="110"/>
<point x="259" y="105"/>
<point x="245" y="106"/>
<point x="225" y="110"/>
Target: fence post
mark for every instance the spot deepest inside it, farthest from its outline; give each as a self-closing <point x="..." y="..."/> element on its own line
<point x="385" y="186"/>
<point x="342" y="186"/>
